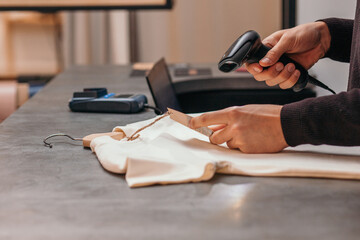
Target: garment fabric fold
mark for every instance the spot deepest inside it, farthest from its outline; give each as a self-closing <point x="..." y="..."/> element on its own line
<point x="170" y="153"/>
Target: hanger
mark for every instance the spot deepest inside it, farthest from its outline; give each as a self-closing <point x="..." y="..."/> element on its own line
<point x="117" y="135"/>
<point x="87" y="139"/>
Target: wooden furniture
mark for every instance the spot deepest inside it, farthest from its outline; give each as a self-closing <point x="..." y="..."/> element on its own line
<point x="14" y="94"/>
<point x="10" y="21"/>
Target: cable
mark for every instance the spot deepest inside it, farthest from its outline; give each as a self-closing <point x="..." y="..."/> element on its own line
<point x="156" y="110"/>
<point x="319" y="84"/>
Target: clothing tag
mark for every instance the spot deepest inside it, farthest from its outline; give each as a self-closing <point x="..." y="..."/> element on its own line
<point x="184" y="119"/>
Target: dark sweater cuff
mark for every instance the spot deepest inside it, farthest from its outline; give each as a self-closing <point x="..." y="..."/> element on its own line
<point x="291" y="124"/>
<point x="341" y="36"/>
<point x="332" y="120"/>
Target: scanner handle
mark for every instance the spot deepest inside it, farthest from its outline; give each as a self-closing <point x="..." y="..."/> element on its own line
<point x="303" y="78"/>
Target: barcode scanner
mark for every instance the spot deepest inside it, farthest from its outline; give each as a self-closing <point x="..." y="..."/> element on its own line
<point x="249" y="49"/>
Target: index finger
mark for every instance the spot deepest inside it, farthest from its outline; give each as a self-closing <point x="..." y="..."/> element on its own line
<point x="254" y="68"/>
<point x="210" y="118"/>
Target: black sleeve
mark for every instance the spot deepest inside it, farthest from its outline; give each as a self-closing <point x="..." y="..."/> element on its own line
<point x="333" y="120"/>
<point x="341" y="31"/>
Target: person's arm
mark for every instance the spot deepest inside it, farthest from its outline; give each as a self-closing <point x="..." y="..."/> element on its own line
<point x="250" y="128"/>
<point x="333" y="120"/>
<point x="341" y="31"/>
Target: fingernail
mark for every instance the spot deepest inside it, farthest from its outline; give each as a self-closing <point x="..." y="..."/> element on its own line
<point x="291" y="68"/>
<point x="297" y="73"/>
<point x="266" y="60"/>
<point x="257" y="69"/>
<point x="279" y="67"/>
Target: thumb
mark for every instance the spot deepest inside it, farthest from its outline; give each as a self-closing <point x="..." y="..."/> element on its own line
<point x="275" y="53"/>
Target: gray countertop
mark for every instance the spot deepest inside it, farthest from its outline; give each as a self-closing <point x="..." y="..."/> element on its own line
<point x="64" y="193"/>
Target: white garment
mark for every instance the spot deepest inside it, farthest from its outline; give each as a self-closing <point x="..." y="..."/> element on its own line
<point x="169" y="152"/>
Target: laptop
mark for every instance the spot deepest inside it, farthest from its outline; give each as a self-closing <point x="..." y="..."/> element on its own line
<point x="161" y="87"/>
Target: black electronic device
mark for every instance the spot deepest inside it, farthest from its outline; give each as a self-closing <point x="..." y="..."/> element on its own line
<point x="161" y="87"/>
<point x="99" y="100"/>
<point x="192" y="95"/>
<point x="248" y="48"/>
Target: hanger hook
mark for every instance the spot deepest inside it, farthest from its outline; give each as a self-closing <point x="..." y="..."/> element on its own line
<point x="59" y="135"/>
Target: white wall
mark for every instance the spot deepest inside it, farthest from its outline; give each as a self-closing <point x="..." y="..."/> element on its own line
<point x="201" y="30"/>
<point x="332" y="73"/>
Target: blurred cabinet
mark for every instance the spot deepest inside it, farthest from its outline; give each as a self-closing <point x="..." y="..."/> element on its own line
<point x="29" y="46"/>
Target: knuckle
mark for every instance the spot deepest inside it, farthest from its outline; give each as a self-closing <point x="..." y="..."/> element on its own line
<point x="233" y="112"/>
<point x="250" y="69"/>
<point x="229" y="109"/>
<point x="271" y="54"/>
<point x="246" y="150"/>
<point x="288" y="83"/>
<point x="265" y="75"/>
<point x="231" y="144"/>
<point x="214" y="139"/>
<point x="273" y="72"/>
<point x="286" y="74"/>
<point x="236" y="130"/>
<point x="286" y="36"/>
<point x="283" y="76"/>
<point x="203" y="118"/>
<point x="270" y="41"/>
<point x="283" y="85"/>
<point x="258" y="78"/>
<point x="292" y="82"/>
<point x="249" y="66"/>
<point x="270" y="82"/>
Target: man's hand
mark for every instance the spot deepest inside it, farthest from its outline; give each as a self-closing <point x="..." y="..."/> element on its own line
<point x="306" y="44"/>
<point x="250" y="128"/>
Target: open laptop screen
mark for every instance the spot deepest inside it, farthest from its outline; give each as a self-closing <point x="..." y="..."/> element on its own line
<point x="161" y="87"/>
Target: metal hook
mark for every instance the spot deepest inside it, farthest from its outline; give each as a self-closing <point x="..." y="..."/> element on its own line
<point x="59" y="135"/>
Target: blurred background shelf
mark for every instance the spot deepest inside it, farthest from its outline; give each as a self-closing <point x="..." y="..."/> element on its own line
<point x="30" y="56"/>
<point x="37" y="46"/>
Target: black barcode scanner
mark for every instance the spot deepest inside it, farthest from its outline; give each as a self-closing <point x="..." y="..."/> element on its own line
<point x="249" y="49"/>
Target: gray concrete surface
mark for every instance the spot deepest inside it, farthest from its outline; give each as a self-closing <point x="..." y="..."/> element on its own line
<point x="63" y="192"/>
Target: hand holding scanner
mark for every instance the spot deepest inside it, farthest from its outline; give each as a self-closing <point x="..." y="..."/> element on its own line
<point x="248" y="48"/>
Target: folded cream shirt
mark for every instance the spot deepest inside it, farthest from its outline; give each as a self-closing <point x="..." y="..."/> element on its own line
<point x="169" y="153"/>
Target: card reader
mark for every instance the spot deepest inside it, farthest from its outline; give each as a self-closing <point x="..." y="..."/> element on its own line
<point x="99" y="100"/>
